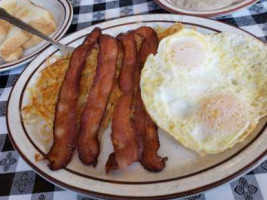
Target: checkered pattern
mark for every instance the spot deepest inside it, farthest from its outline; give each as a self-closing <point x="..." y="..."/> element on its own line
<point x="19" y="181"/>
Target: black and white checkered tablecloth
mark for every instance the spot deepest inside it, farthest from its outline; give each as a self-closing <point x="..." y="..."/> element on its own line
<point x="18" y="181"/>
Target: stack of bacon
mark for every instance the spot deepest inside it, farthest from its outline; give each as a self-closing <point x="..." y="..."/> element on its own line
<point x="134" y="135"/>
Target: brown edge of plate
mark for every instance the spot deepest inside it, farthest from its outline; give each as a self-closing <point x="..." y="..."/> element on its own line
<point x="216" y="14"/>
<point x="110" y="196"/>
<point x="58" y="34"/>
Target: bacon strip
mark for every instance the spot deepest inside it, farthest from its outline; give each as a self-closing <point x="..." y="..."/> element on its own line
<point x="149" y="45"/>
<point x="65" y="127"/>
<point x="123" y="135"/>
<point x="126" y="78"/>
<point x="88" y="144"/>
<point x="144" y="125"/>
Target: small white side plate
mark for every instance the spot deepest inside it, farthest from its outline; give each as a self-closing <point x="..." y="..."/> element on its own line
<point x="171" y="7"/>
<point x="63" y="12"/>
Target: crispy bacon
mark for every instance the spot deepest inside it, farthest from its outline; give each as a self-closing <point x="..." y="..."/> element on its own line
<point x="126" y="78"/>
<point x="123" y="135"/>
<point x="144" y="125"/>
<point x="65" y="127"/>
<point x="149" y="44"/>
<point x="150" y="159"/>
<point x="88" y="144"/>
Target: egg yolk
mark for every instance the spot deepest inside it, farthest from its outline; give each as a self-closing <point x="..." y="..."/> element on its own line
<point x="187" y="53"/>
<point x="222" y="114"/>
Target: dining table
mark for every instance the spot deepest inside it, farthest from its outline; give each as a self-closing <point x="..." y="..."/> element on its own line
<point x="18" y="181"/>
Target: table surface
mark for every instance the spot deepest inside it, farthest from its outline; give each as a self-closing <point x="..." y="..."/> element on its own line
<point x="18" y="181"/>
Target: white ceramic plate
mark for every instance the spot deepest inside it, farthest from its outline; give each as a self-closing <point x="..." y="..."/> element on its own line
<point x="171" y="7"/>
<point x="186" y="172"/>
<point x="63" y="12"/>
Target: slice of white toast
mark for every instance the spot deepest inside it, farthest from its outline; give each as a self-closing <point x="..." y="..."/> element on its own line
<point x="40" y="19"/>
<point x="15" y="55"/>
<point x="14" y="40"/>
<point x="9" y="6"/>
<point x="33" y="40"/>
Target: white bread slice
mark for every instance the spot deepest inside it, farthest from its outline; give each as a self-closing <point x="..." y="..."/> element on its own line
<point x="39" y="18"/>
<point x="50" y="28"/>
<point x="21" y="4"/>
<point x="4" y="28"/>
<point x="14" y="40"/>
<point x="15" y="55"/>
<point x="34" y="14"/>
<point x="9" y="6"/>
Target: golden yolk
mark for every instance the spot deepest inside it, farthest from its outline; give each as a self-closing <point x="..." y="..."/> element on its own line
<point x="222" y="113"/>
<point x="187" y="53"/>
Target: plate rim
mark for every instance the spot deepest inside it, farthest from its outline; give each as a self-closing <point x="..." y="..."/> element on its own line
<point x="68" y="8"/>
<point x="208" y="14"/>
<point x="101" y="195"/>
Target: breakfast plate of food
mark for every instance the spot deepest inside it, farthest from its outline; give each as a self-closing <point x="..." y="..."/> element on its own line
<point x="17" y="46"/>
<point x="149" y="106"/>
<point x="204" y="8"/>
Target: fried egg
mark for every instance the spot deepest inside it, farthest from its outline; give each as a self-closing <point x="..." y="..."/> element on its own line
<point x="208" y="91"/>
